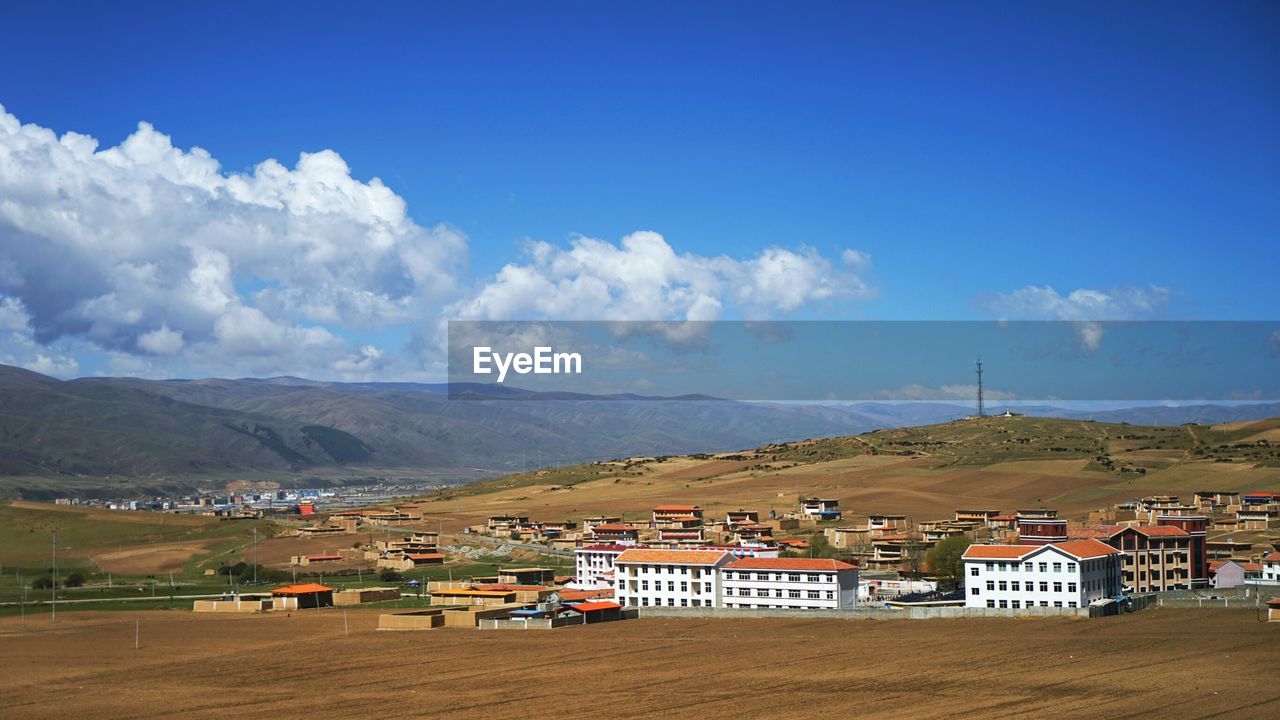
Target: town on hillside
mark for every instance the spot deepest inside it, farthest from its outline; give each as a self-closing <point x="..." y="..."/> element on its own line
<point x="1214" y="546"/>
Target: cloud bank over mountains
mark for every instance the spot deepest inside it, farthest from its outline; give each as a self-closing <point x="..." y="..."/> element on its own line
<point x="156" y="261"/>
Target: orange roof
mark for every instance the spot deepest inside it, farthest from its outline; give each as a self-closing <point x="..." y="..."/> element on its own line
<point x="1273" y="557"/>
<point x="997" y="552"/>
<point x="826" y="564"/>
<point x="511" y="588"/>
<point x="302" y="589"/>
<point x="425" y="556"/>
<point x="594" y="606"/>
<point x="676" y="508"/>
<point x="1086" y="549"/>
<point x="671" y="557"/>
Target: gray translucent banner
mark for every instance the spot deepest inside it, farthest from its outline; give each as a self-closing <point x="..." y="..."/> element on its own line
<point x="831" y="361"/>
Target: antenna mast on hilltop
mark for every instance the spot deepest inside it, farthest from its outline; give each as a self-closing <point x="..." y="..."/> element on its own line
<point x="982" y="410"/>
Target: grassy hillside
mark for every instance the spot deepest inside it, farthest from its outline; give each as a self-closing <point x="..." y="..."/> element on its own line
<point x="926" y="471"/>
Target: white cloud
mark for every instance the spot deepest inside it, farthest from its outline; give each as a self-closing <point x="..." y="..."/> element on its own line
<point x="13" y="316"/>
<point x="1086" y="307"/>
<point x="149" y="258"/>
<point x="148" y="248"/>
<point x="161" y="341"/>
<point x="1045" y="303"/>
<point x="644" y="278"/>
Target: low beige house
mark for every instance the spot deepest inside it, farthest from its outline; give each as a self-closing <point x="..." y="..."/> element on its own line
<point x="360" y="596"/>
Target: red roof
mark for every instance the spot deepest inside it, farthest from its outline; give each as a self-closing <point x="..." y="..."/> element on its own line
<point x="1273" y="557"/>
<point x="302" y="589"/>
<point x="826" y="564"/>
<point x="1087" y="549"/>
<point x="425" y="556"/>
<point x="584" y="607"/>
<point x="997" y="552"/>
<point x="324" y="557"/>
<point x="676" y="508"/>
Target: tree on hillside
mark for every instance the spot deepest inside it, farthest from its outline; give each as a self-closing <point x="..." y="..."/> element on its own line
<point x="74" y="580"/>
<point x="820" y="547"/>
<point x="42" y="583"/>
<point x="946" y="560"/>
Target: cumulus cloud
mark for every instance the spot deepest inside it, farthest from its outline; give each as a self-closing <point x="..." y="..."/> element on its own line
<point x="145" y="248"/>
<point x="644" y="278"/>
<point x="161" y="341"/>
<point x="155" y="259"/>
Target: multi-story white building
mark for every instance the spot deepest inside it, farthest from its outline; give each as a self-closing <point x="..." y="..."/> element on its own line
<point x="594" y="565"/>
<point x="1271" y="568"/>
<point x="1067" y="574"/>
<point x="789" y="583"/>
<point x="668" y="578"/>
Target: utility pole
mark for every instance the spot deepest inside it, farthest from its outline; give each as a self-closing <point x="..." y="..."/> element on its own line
<point x="255" y="555"/>
<point x="53" y="591"/>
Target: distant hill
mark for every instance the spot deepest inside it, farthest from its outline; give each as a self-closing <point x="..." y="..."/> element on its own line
<point x="162" y="430"/>
<point x="133" y="428"/>
<point x="926" y="472"/>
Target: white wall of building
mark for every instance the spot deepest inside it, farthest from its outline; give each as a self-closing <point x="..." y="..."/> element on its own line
<point x="1044" y="577"/>
<point x="789" y="589"/>
<point x="667" y="585"/>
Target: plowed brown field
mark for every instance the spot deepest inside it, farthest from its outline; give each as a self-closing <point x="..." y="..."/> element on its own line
<point x="1169" y="663"/>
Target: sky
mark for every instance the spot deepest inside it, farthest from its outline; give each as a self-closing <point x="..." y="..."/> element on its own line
<point x="315" y="189"/>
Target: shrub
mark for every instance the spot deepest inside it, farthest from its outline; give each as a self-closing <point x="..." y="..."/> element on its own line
<point x="75" y="579"/>
<point x="42" y="583"/>
<point x="389" y="575"/>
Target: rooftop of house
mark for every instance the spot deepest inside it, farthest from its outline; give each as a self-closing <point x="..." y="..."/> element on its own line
<point x="814" y="564"/>
<point x="302" y="589"/>
<point x="671" y="557"/>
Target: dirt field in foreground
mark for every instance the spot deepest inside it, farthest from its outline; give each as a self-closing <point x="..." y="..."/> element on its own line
<point x="1160" y="662"/>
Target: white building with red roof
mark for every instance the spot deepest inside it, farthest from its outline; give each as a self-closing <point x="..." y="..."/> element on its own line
<point x="789" y="583"/>
<point x="593" y="565"/>
<point x="1068" y="574"/>
<point x="669" y="578"/>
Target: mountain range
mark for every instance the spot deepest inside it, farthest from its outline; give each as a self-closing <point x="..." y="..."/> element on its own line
<point x="135" y="428"/>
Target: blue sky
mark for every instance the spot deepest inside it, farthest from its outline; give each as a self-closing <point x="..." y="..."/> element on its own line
<point x="985" y="160"/>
